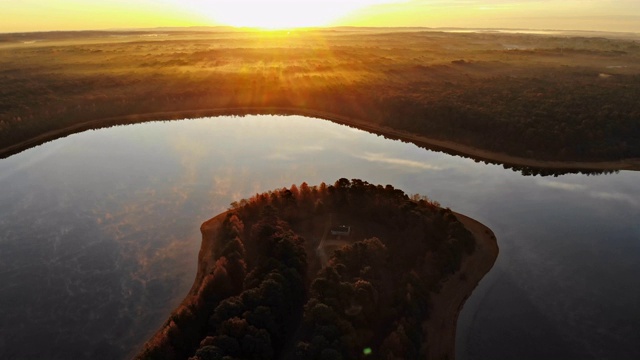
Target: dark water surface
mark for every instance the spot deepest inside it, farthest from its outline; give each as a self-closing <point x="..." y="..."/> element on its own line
<point x="99" y="234"/>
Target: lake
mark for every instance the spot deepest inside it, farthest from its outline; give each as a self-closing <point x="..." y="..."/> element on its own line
<point x="99" y="234"/>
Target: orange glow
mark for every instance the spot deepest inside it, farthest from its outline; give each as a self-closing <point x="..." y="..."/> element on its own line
<point x="43" y="15"/>
<point x="279" y="14"/>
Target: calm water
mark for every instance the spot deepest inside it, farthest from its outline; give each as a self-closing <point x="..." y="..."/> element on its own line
<point x="99" y="234"/>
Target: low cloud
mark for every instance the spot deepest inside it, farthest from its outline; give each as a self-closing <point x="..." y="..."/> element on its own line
<point x="411" y="164"/>
<point x="616" y="197"/>
<point x="562" y="186"/>
<point x="602" y="195"/>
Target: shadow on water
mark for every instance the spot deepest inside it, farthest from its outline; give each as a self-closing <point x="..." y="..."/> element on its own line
<point x="542" y="340"/>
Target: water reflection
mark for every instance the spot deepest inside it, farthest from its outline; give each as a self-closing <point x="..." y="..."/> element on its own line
<point x="99" y="233"/>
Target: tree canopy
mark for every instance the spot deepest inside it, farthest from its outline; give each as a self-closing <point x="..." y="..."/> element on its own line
<point x="270" y="295"/>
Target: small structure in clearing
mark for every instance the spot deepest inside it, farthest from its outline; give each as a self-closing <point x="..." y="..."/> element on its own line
<point x="341" y="230"/>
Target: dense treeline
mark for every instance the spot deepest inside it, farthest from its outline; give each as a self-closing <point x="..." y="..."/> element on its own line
<point x="270" y="295"/>
<point x="537" y="97"/>
<point x="571" y="116"/>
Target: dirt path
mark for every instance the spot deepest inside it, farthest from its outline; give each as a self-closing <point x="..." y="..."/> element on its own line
<point x="320" y="250"/>
<point x="447" y="304"/>
<point x="626" y="164"/>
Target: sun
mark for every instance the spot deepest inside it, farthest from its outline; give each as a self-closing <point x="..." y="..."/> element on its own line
<point x="278" y="14"/>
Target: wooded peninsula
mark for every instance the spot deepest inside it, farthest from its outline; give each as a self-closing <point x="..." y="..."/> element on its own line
<point x="564" y="100"/>
<point x="340" y="271"/>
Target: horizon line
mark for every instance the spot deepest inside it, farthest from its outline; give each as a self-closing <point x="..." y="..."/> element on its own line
<point x="310" y="28"/>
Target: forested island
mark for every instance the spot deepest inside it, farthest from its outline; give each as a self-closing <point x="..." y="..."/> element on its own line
<point x="342" y="271"/>
<point x="561" y="101"/>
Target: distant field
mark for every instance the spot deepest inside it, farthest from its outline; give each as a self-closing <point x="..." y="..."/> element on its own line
<point x="546" y="97"/>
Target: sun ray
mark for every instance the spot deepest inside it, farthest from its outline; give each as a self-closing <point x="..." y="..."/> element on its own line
<point x="279" y="14"/>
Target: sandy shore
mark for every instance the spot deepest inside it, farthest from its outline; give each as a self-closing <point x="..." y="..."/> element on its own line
<point x="206" y="264"/>
<point x="207" y="256"/>
<point x="444" y="145"/>
<point x="447" y="304"/>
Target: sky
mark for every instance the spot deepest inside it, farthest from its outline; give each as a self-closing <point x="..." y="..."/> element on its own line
<point x="46" y="15"/>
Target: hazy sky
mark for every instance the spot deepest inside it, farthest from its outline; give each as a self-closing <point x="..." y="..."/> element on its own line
<point x="39" y="15"/>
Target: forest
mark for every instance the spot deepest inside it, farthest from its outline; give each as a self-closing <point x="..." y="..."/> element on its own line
<point x="563" y="97"/>
<point x="265" y="290"/>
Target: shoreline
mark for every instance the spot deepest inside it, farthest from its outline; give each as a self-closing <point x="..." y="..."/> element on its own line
<point x="420" y="140"/>
<point x="206" y="263"/>
<point x="449" y="301"/>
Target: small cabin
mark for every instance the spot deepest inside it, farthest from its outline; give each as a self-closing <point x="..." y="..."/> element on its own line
<point x="341" y="230"/>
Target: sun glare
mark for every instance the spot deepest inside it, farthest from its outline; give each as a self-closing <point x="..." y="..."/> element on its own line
<point x="279" y="14"/>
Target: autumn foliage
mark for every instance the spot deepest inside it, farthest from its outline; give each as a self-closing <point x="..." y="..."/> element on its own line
<point x="270" y="296"/>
